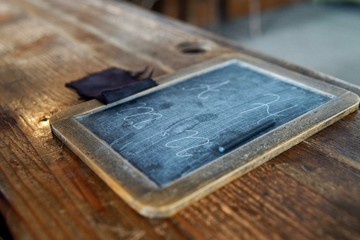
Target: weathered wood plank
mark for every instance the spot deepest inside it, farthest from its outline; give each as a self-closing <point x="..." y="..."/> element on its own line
<point x="309" y="191"/>
<point x="103" y="20"/>
<point x="324" y="174"/>
<point x="347" y="138"/>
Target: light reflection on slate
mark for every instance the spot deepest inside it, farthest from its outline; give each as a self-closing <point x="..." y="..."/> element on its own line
<point x="172" y="132"/>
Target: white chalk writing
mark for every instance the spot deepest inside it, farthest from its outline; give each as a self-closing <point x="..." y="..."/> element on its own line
<point x="207" y="88"/>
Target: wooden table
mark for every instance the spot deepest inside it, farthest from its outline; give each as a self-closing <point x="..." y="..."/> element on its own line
<point x="311" y="191"/>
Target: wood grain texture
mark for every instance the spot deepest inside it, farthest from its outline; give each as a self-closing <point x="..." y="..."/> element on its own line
<point x="310" y="191"/>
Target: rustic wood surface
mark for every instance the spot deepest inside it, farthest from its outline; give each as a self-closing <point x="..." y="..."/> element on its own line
<point x="311" y="191"/>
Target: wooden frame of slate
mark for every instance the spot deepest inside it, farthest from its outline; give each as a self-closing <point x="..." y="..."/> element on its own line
<point x="158" y="149"/>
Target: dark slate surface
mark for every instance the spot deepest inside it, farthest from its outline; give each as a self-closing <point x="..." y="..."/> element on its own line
<point x="170" y="133"/>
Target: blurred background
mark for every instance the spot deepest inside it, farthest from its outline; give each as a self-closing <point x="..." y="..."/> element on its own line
<point x="323" y="35"/>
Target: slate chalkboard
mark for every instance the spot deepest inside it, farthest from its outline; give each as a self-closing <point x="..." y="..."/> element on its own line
<point x="173" y="131"/>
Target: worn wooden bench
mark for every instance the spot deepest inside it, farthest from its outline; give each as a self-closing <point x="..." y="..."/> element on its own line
<point x="309" y="192"/>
